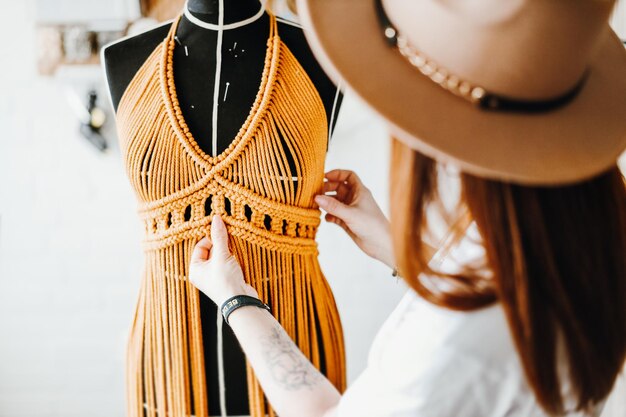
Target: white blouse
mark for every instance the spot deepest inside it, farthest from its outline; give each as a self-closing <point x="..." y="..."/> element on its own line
<point x="431" y="361"/>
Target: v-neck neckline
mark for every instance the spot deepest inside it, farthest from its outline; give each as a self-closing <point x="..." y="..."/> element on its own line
<point x="174" y="111"/>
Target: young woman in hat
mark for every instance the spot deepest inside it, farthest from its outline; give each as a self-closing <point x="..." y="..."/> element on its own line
<point x="522" y="309"/>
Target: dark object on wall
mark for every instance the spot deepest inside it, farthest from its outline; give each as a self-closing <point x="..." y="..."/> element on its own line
<point x="90" y="128"/>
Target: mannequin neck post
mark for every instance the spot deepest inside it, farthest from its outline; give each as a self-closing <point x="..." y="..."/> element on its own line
<point x="234" y="10"/>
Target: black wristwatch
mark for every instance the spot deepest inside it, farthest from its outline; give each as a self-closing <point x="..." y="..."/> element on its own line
<point x="233" y="303"/>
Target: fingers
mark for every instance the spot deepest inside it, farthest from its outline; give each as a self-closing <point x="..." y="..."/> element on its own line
<point x="219" y="236"/>
<point x="336" y="220"/>
<point x="344" y="175"/>
<point x="343" y="192"/>
<point x="346" y="184"/>
<point x="201" y="251"/>
<point x="218" y="243"/>
<point x="332" y="206"/>
<point x="330" y="186"/>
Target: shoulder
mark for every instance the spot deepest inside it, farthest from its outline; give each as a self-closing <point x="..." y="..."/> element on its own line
<point x="289" y="26"/>
<point x="141" y="43"/>
<point x="434" y="361"/>
<point x="423" y="332"/>
<point x="144" y="41"/>
<point x="292" y="34"/>
<point x="123" y="58"/>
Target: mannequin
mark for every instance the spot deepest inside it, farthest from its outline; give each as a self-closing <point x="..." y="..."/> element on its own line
<point x="195" y="71"/>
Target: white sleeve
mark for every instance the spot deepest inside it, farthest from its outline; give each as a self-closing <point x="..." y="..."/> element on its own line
<point x="451" y="385"/>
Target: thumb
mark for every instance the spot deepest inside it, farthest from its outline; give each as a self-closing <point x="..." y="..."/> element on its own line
<point x="219" y="237"/>
<point x="332" y="205"/>
<point x="201" y="251"/>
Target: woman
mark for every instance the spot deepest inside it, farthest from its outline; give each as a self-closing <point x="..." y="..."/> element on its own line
<point x="521" y="310"/>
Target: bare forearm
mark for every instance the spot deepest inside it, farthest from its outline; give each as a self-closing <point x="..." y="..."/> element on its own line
<point x="294" y="387"/>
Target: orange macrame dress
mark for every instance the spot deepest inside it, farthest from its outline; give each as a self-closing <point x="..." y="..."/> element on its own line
<point x="251" y="186"/>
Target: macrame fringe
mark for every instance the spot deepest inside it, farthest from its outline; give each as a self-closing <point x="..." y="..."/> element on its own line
<point x="170" y="368"/>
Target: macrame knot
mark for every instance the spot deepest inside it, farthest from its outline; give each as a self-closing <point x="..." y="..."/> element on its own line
<point x="291" y="229"/>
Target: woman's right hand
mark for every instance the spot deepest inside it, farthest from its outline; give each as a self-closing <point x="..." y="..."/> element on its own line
<point x="354" y="209"/>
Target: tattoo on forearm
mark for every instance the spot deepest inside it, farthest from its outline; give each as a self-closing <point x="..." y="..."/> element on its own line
<point x="288" y="366"/>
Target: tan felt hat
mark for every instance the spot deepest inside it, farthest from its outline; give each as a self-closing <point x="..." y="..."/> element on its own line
<point x="525" y="91"/>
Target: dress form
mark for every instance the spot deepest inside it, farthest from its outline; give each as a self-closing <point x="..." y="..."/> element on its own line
<point x="243" y="50"/>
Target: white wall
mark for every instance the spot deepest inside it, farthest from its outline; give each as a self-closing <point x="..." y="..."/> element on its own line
<point x="69" y="246"/>
<point x="69" y="253"/>
<point x="618" y="19"/>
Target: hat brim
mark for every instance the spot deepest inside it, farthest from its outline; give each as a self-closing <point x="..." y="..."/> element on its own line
<point x="572" y="143"/>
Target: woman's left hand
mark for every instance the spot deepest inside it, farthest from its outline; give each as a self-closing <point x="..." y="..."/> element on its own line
<point x="214" y="270"/>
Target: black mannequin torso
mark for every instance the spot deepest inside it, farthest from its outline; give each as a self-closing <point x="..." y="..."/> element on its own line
<point x="243" y="56"/>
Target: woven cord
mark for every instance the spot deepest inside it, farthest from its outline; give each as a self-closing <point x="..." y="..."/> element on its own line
<point x="263" y="185"/>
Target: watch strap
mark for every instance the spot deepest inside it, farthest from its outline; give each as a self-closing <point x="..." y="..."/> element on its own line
<point x="238" y="301"/>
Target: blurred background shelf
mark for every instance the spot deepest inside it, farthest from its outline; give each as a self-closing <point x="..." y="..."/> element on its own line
<point x="86" y="11"/>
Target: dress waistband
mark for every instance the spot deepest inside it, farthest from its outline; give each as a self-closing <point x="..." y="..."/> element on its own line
<point x="271" y="224"/>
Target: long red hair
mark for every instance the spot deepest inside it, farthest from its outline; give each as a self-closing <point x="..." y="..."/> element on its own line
<point x="557" y="258"/>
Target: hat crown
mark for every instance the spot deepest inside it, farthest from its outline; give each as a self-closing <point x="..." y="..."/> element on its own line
<point x="528" y="49"/>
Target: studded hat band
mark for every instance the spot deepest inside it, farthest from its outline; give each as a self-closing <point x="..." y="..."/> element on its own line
<point x="472" y="93"/>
